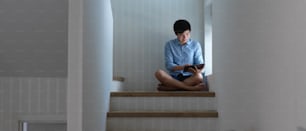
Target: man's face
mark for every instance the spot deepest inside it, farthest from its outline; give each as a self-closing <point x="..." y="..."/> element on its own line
<point x="183" y="37"/>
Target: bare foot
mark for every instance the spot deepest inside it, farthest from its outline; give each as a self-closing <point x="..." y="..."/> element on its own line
<point x="162" y="87"/>
<point x="199" y="87"/>
<point x="165" y="88"/>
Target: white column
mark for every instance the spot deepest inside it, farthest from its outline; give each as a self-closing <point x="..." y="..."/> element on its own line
<point x="90" y="64"/>
<point x="97" y="63"/>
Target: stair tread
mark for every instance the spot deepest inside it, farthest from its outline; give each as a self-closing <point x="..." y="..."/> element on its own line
<point x="164" y="94"/>
<point x="209" y="113"/>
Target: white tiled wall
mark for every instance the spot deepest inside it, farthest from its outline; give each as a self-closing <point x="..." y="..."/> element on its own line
<point x="162" y="104"/>
<point x="162" y="124"/>
<point x="33" y="60"/>
<point x="24" y="97"/>
<point x="47" y="127"/>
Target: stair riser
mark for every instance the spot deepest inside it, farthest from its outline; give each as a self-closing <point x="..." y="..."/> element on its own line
<point x="161" y="124"/>
<point x="162" y="103"/>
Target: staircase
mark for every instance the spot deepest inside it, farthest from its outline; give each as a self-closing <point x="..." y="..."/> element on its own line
<point x="162" y="111"/>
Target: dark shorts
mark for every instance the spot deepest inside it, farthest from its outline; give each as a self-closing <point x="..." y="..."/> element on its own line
<point x="180" y="77"/>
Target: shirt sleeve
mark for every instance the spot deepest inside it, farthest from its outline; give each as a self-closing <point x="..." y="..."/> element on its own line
<point x="169" y="62"/>
<point x="198" y="58"/>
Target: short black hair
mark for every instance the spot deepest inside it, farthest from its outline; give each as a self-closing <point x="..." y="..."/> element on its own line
<point x="181" y="25"/>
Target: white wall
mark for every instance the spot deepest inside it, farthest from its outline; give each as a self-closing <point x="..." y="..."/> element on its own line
<point x="31" y="98"/>
<point x="141" y="28"/>
<point x="259" y="71"/>
<point x="33" y="37"/>
<point x="33" y="60"/>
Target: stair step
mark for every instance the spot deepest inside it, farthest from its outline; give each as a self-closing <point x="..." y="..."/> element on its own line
<point x="164" y="94"/>
<point x="163" y="101"/>
<point x="162" y="111"/>
<point x="158" y="123"/>
<point x="163" y="114"/>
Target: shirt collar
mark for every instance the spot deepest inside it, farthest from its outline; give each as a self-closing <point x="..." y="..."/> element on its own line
<point x="178" y="42"/>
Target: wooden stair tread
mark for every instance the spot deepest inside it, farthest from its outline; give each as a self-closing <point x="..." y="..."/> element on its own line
<point x="118" y="78"/>
<point x="164" y="94"/>
<point x="163" y="114"/>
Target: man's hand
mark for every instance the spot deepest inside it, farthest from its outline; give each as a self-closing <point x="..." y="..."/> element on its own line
<point x="194" y="69"/>
<point x="180" y="67"/>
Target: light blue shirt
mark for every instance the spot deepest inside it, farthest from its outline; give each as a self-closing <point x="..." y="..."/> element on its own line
<point x="177" y="54"/>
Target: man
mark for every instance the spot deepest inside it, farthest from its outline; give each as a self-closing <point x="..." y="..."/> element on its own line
<point x="180" y="53"/>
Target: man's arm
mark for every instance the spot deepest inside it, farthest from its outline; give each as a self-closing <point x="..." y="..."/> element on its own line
<point x="198" y="57"/>
<point x="175" y="68"/>
<point x="169" y="57"/>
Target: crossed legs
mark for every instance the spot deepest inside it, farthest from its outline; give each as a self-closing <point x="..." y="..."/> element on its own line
<point x="193" y="83"/>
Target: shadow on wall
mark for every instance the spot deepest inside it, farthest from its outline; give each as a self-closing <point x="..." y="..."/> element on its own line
<point x="299" y="128"/>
